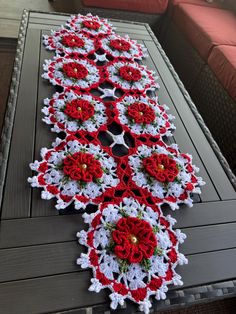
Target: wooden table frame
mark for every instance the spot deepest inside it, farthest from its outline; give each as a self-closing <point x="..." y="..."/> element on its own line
<point x="37" y="253"/>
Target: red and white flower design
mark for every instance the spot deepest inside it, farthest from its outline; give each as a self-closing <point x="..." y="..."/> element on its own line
<point x="72" y="73"/>
<point x="141" y="113"/>
<point x="134" y="240"/>
<point x="122" y="47"/>
<point x="130" y="245"/>
<point x="79" y="109"/>
<point x="132" y="250"/>
<point x="144" y="115"/>
<point x="72" y="112"/>
<point x="74" y="70"/>
<point x="161" y="167"/>
<point x="165" y="172"/>
<point x="131" y="76"/>
<point x="82" y="167"/>
<point x="89" y="24"/>
<point x="67" y="41"/>
<point x="73" y="172"/>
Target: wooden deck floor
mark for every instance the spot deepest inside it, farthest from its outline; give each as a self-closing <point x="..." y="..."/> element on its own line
<point x="11" y="11"/>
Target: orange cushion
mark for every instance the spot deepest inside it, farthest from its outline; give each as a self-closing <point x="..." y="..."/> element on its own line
<point x="222" y="61"/>
<point x="206" y="27"/>
<point x="145" y="6"/>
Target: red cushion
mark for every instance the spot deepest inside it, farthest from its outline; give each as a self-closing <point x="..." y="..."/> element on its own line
<point x="214" y="3"/>
<point x="197" y="2"/>
<point x="146" y="6"/>
<point x="206" y="27"/>
<point x="174" y="3"/>
<point x="222" y="61"/>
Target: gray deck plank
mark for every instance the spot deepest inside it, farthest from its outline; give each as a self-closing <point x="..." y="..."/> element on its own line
<point x="204" y="214"/>
<point x="209" y="238"/>
<point x="17" y="195"/>
<point x="24" y="232"/>
<point x="49" y="259"/>
<point x="219" y="177"/>
<point x="44" y="137"/>
<point x="48" y="294"/>
<point x="68" y="291"/>
<point x="209" y="267"/>
<point x="38" y="261"/>
<point x="34" y="231"/>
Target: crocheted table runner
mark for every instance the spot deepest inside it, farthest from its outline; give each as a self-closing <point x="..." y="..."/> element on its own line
<point x="114" y="154"/>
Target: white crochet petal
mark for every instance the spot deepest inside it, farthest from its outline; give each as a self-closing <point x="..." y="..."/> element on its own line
<point x="172" y="193"/>
<point x="71" y="190"/>
<point x="109" y="270"/>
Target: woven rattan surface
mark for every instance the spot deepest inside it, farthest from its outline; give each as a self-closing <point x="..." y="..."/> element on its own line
<point x="187" y="63"/>
<point x="215" y="105"/>
<point x="218" y="110"/>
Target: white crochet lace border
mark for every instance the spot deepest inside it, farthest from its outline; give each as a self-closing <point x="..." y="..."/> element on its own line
<point x="68" y="124"/>
<point x="136" y="276"/>
<point x="54" y="42"/>
<point x="153" y="128"/>
<point x="172" y="189"/>
<point x="53" y="73"/>
<point x="136" y="51"/>
<point x="54" y="176"/>
<point x="75" y="23"/>
<point x="147" y="81"/>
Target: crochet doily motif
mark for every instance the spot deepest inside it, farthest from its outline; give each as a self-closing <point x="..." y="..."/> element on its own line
<point x="71" y="111"/>
<point x="165" y="172"/>
<point x="90" y="25"/>
<point x="74" y="172"/>
<point x="122" y="47"/>
<point x="132" y="250"/>
<point x="130" y="76"/>
<point x="143" y="115"/>
<point x="74" y="73"/>
<point x="113" y="152"/>
<point x="67" y="41"/>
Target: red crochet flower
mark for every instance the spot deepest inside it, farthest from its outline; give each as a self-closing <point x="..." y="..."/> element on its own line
<point x="82" y="167"/>
<point x="141" y="113"/>
<point x="75" y="70"/>
<point x="161" y="167"/>
<point x="79" y="109"/>
<point x="134" y="239"/>
<point x="120" y="44"/>
<point x="91" y="24"/>
<point x="72" y="41"/>
<point x="128" y="73"/>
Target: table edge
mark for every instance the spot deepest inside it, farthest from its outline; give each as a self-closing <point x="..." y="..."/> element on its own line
<point x="192" y="295"/>
<point x="9" y="117"/>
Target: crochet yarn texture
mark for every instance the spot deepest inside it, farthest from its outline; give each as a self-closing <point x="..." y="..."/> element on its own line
<point x="112" y="151"/>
